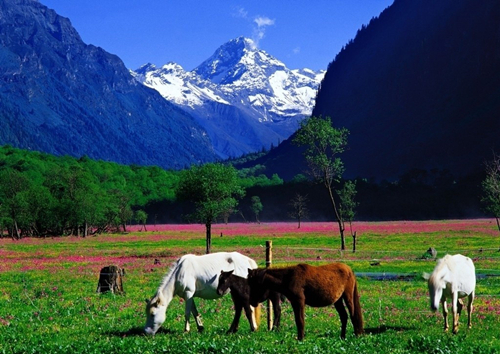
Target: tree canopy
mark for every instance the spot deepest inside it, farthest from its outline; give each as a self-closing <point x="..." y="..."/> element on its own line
<point x="41" y="194"/>
<point x="214" y="189"/>
<point x="323" y="144"/>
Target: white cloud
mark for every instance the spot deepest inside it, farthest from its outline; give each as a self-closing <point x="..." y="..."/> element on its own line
<point x="263" y="21"/>
<point x="258" y="33"/>
<point x="240" y="12"/>
<point x="296" y="50"/>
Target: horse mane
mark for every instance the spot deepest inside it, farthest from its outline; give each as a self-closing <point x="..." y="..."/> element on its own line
<point x="168" y="278"/>
<point x="445" y="262"/>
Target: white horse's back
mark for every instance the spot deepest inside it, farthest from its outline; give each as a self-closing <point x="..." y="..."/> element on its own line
<point x="200" y="274"/>
<point x="464" y="273"/>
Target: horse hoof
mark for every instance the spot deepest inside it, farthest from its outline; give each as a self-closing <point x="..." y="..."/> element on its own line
<point x="201" y="329"/>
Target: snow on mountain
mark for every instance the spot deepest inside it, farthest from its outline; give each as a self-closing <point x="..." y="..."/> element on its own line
<point x="266" y="98"/>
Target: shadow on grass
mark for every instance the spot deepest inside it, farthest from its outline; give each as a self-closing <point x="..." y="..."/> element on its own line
<point x="137" y="331"/>
<point x="383" y="329"/>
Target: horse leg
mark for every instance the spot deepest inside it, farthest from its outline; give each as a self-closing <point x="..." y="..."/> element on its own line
<point x="250" y="313"/>
<point x="445" y="315"/>
<point x="298" y="310"/>
<point x="187" y="313"/>
<point x="197" y="317"/>
<point x="343" y="316"/>
<point x="469" y="309"/>
<point x="460" y="305"/>
<point x="454" y="306"/>
<point x="275" y="300"/>
<point x="237" y="314"/>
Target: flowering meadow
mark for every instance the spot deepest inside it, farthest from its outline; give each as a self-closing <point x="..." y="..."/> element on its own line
<point x="49" y="304"/>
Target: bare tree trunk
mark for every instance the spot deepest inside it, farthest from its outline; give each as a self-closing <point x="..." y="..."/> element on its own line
<point x="498" y="223"/>
<point x="18" y="233"/>
<point x="337" y="216"/>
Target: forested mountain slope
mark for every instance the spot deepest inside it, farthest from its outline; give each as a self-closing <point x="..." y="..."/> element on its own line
<point x="419" y="87"/>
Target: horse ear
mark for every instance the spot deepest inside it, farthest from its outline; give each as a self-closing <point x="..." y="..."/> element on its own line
<point x="426" y="276"/>
<point x="161" y="299"/>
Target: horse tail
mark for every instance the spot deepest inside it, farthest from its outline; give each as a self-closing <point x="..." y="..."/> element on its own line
<point x="357" y="316"/>
<point x="257" y="314"/>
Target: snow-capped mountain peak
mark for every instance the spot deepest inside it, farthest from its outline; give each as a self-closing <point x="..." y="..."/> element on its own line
<point x="257" y="87"/>
<point x="231" y="60"/>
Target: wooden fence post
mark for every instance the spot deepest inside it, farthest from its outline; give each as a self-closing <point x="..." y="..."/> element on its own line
<point x="269" y="261"/>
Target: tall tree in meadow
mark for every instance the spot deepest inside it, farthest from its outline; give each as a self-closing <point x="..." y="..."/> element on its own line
<point x="323" y="144"/>
<point x="347" y="206"/>
<point x="214" y="189"/>
<point x="256" y="207"/>
<point x="491" y="188"/>
<point x="141" y="217"/>
<point x="299" y="207"/>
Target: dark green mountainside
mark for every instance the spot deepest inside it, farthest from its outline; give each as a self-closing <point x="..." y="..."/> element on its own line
<point x="418" y="88"/>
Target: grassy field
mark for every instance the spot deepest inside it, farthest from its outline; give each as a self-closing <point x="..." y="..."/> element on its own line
<point x="48" y="302"/>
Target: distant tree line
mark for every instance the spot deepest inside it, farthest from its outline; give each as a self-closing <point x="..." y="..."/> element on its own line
<point x="45" y="195"/>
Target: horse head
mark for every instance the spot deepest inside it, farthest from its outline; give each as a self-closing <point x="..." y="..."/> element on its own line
<point x="156" y="309"/>
<point x="436" y="283"/>
<point x="224" y="282"/>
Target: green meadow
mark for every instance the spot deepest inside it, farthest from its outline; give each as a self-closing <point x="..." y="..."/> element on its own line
<point x="49" y="304"/>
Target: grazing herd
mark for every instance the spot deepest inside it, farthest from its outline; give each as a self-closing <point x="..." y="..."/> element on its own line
<point x="213" y="275"/>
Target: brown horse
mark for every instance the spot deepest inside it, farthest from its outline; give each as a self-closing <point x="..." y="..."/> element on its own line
<point x="319" y="286"/>
<point x="240" y="293"/>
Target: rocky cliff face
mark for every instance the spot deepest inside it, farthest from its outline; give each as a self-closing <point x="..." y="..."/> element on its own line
<point x="62" y="96"/>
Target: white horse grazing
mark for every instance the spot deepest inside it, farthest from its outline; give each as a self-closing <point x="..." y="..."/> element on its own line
<point x="193" y="276"/>
<point x="454" y="277"/>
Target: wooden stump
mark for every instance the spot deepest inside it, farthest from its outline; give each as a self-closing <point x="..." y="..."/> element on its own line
<point x="110" y="279"/>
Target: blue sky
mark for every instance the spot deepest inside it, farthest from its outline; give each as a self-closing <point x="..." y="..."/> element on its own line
<point x="302" y="34"/>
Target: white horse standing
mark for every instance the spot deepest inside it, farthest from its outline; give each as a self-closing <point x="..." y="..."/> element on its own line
<point x="193" y="276"/>
<point x="453" y="277"/>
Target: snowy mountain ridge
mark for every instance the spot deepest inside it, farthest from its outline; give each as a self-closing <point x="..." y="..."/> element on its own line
<point x="239" y="82"/>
